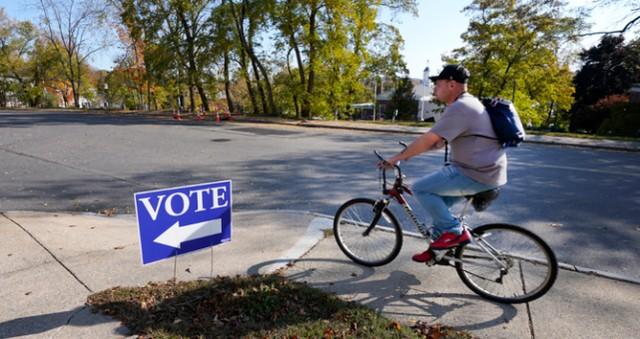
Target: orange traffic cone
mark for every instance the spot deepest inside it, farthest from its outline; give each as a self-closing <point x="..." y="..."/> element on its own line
<point x="176" y="115"/>
<point x="217" y="118"/>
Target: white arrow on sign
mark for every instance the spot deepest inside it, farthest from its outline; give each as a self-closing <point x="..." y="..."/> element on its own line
<point x="176" y="234"/>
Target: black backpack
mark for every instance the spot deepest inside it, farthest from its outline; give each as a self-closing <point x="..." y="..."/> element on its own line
<point x="505" y="121"/>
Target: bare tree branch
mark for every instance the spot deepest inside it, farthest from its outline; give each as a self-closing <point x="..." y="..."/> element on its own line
<point x="624" y="29"/>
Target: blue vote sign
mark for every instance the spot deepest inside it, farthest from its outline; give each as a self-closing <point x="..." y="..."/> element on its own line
<point x="179" y="220"/>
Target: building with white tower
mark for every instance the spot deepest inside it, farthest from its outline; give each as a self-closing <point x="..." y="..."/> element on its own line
<point x="423" y="92"/>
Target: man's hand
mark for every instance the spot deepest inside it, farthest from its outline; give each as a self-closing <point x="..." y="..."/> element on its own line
<point x="387" y="164"/>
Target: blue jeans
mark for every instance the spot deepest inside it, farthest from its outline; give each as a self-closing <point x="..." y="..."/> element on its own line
<point x="440" y="190"/>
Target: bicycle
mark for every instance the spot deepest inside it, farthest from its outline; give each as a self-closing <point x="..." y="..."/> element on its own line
<point x="502" y="262"/>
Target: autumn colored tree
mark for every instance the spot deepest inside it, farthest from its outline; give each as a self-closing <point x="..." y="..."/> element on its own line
<point x="608" y="70"/>
<point x="72" y="28"/>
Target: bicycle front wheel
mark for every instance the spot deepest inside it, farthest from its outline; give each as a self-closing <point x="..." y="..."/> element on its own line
<point x="363" y="241"/>
<point x="507" y="264"/>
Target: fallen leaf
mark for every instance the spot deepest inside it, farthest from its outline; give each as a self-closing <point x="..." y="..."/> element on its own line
<point x="28" y="293"/>
<point x="118" y="247"/>
<point x="328" y="333"/>
<point x="109" y="212"/>
<point x="10" y="254"/>
<point x="395" y="326"/>
<point x="72" y="225"/>
<point x="354" y="275"/>
<point x="188" y="270"/>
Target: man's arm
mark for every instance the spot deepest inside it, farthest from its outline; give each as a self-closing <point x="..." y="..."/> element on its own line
<point x="422" y="144"/>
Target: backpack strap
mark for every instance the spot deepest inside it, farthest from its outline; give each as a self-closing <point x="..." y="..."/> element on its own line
<point x="480" y="136"/>
<point x="446" y="153"/>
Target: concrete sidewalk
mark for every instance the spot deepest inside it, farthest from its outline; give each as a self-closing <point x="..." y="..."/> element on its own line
<point x="578" y="306"/>
<point x="52" y="262"/>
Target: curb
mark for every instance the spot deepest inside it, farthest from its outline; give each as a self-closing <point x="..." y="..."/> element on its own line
<point x="613" y="146"/>
<point x="315" y="234"/>
<point x="570" y="267"/>
<point x="598" y="273"/>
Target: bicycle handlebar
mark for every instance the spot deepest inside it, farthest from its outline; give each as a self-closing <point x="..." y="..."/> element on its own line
<point x="396" y="168"/>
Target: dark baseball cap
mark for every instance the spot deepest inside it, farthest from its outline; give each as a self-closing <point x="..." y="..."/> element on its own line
<point x="453" y="72"/>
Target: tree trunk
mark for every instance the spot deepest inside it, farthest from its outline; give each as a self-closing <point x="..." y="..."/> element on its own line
<point x="193" y="67"/>
<point x="247" y="79"/>
<point x="247" y="45"/>
<point x="256" y="74"/>
<point x="192" y="98"/>
<point x="295" y="96"/>
<point x="312" y="59"/>
<point x="227" y="83"/>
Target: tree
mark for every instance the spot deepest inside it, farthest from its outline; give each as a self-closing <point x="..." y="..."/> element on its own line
<point x="512" y="50"/>
<point x="403" y="100"/>
<point x="608" y="69"/>
<point x="337" y="45"/>
<point x="248" y="18"/>
<point x="17" y="42"/>
<point x="71" y="28"/>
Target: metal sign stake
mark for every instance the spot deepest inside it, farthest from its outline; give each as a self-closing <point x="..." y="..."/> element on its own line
<point x="211" y="272"/>
<point x="175" y="267"/>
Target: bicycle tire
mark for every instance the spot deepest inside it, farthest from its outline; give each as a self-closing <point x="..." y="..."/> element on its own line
<point x="380" y="246"/>
<point x="531" y="271"/>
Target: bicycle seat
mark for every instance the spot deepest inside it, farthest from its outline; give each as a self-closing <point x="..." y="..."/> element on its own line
<point x="482" y="200"/>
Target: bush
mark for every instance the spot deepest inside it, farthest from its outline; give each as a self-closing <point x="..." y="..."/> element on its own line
<point x="623" y="120"/>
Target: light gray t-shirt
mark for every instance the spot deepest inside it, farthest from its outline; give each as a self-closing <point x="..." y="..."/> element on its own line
<point x="481" y="159"/>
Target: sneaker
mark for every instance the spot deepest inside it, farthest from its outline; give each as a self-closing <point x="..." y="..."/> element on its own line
<point x="423" y="257"/>
<point x="450" y="240"/>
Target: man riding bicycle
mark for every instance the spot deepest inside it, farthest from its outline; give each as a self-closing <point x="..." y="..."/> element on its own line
<point x="476" y="164"/>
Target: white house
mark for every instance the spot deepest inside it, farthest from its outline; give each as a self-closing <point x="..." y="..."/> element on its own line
<point x="423" y="92"/>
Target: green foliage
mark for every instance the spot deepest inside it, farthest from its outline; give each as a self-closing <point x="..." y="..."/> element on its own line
<point x="324" y="54"/>
<point x="403" y="101"/>
<point x="512" y="52"/>
<point x="623" y="120"/>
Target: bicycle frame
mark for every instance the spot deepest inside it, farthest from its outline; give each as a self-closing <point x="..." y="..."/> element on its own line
<point x="396" y="193"/>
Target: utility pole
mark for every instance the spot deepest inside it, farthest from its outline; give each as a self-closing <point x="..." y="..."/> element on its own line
<point x="375" y="96"/>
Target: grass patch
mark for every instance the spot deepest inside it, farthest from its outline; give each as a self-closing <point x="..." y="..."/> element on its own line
<point x="265" y="306"/>
<point x="583" y="136"/>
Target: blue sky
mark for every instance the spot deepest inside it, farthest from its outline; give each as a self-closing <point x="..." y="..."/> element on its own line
<point x="434" y="32"/>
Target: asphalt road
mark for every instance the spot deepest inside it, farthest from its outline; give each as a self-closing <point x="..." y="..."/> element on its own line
<point x="584" y="202"/>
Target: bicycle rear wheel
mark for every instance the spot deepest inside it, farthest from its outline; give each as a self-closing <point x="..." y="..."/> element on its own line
<point x="507" y="264"/>
<point x="380" y="245"/>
